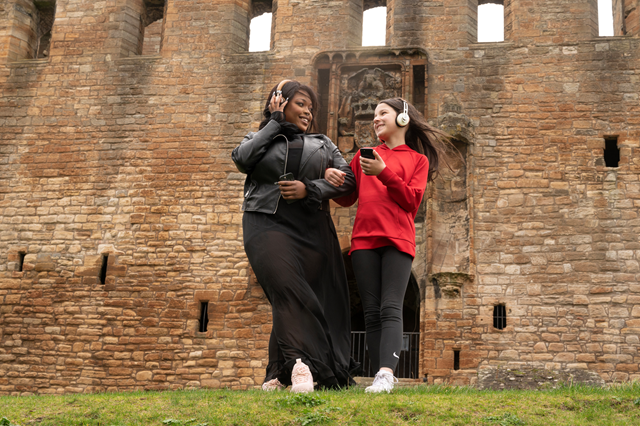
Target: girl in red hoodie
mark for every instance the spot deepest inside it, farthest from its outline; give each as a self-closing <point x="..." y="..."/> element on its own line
<point x="389" y="189"/>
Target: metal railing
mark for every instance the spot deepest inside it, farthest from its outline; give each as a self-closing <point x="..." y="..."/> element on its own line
<point x="409" y="356"/>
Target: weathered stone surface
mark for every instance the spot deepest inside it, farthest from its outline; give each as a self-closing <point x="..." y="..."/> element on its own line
<point x="527" y="377"/>
<point x="119" y="199"/>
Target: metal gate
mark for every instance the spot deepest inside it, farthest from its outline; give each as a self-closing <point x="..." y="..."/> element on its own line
<point x="407" y="366"/>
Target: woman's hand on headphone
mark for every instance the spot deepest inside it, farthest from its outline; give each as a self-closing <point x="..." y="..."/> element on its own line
<point x="277" y="102"/>
<point x="334" y="176"/>
<point x="372" y="167"/>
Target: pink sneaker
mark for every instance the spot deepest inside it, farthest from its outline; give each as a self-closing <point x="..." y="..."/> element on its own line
<point x="301" y="378"/>
<point x="272" y="385"/>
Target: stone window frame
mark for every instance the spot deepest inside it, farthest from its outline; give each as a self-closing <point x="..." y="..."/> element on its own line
<point x="27" y="44"/>
<point x="154" y="10"/>
<point x="258" y="8"/>
<point x="499" y="318"/>
<point x="45" y="27"/>
<point x="506" y="23"/>
<point x="626" y="18"/>
<point x="199" y="296"/>
<point x="371" y="4"/>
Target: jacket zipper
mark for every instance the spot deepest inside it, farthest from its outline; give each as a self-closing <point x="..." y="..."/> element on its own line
<point x="321" y="165"/>
<point x="286" y="158"/>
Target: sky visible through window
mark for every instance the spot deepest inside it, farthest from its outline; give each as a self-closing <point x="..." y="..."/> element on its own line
<point x="490" y="25"/>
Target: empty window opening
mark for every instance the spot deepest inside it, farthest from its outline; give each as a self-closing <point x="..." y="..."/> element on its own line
<point x="21" y="256"/>
<point x="611" y="152"/>
<point x="605" y="17"/>
<point x="151" y="23"/>
<point x="204" y="317"/>
<point x="490" y="21"/>
<point x="46" y="13"/>
<point x="419" y="87"/>
<point x="260" y="33"/>
<point x="103" y="268"/>
<point x="374" y="26"/>
<point x="456" y="359"/>
<point x="324" y="79"/>
<point x="500" y="317"/>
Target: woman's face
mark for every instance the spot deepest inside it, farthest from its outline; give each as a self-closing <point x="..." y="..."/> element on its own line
<point x="299" y="111"/>
<point x="384" y="121"/>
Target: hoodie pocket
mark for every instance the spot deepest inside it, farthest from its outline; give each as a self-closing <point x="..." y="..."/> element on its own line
<point x="376" y="220"/>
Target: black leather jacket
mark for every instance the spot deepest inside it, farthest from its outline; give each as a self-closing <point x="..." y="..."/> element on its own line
<point x="263" y="156"/>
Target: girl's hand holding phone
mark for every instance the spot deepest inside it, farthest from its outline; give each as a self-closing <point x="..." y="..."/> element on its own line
<point x="334" y="176"/>
<point x="372" y="167"/>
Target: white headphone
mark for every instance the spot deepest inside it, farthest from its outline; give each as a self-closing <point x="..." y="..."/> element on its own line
<point x="403" y="118"/>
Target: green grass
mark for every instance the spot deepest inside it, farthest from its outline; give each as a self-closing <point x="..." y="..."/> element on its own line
<point x="424" y="405"/>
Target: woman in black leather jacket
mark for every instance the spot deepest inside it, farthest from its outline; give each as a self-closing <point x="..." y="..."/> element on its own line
<point x="291" y="242"/>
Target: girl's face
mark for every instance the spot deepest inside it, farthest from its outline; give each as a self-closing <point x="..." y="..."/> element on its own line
<point x="299" y="110"/>
<point x="384" y="121"/>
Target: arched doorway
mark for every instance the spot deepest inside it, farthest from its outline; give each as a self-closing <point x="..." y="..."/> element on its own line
<point x="409" y="357"/>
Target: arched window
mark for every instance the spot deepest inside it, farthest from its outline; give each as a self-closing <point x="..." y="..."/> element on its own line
<point x="374" y="25"/>
<point x="490" y="21"/>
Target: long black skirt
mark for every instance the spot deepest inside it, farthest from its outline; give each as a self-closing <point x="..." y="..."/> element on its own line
<point x="297" y="260"/>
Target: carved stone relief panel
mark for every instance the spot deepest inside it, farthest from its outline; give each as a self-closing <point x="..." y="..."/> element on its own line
<point x="353" y="82"/>
<point x="361" y="89"/>
<point x="450" y="215"/>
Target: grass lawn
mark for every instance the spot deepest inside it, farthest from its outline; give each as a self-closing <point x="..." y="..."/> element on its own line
<point x="424" y="405"/>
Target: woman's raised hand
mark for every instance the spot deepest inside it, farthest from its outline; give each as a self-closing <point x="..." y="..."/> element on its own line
<point x="277" y="102"/>
<point x="334" y="176"/>
<point x="372" y="167"/>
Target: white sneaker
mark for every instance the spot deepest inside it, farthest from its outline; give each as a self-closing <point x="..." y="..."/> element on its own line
<point x="301" y="378"/>
<point x="383" y="382"/>
<point x="272" y="385"/>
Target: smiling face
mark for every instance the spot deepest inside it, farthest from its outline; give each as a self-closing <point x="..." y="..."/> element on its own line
<point x="299" y="110"/>
<point x="384" y="121"/>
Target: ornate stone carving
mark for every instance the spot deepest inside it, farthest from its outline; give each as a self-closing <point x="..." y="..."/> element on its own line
<point x="360" y="92"/>
<point x="449" y="284"/>
<point x="452" y="120"/>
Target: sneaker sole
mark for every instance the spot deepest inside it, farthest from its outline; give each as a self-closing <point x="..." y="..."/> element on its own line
<point x="302" y="389"/>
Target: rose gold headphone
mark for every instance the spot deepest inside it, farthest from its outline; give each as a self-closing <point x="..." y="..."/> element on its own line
<point x="280" y="86"/>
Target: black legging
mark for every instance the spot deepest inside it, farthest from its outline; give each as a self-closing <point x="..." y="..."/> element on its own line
<point x="382" y="275"/>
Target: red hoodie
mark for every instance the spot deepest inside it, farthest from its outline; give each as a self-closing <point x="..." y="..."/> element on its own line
<point x="388" y="203"/>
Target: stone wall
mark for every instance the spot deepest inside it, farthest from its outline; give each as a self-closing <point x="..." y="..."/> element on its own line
<point x="110" y="156"/>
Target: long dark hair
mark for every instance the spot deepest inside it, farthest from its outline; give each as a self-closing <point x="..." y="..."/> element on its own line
<point x="289" y="89"/>
<point x="424" y="138"/>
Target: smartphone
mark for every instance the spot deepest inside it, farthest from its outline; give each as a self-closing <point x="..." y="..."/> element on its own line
<point x="287" y="176"/>
<point x="367" y="153"/>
